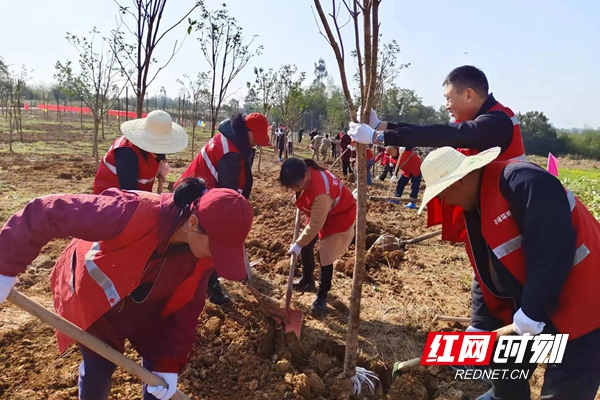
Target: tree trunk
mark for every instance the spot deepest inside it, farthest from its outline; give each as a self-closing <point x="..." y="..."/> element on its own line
<point x="103" y="126"/>
<point x="140" y="105"/>
<point x="97" y="121"/>
<point x="351" y="355"/>
<point x="10" y="130"/>
<point x="193" y="136"/>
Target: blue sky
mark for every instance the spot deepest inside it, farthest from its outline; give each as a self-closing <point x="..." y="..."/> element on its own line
<point x="537" y="55"/>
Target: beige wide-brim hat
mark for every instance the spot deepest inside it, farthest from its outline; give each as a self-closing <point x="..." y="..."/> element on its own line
<point x="446" y="165"/>
<point x="156" y="133"/>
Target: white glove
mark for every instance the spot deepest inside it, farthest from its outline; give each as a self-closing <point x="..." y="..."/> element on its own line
<point x="295" y="248"/>
<point x="163" y="168"/>
<point x="6" y="284"/>
<point x="361" y="133"/>
<point x="391" y="164"/>
<point x="523" y="324"/>
<point x="393" y="179"/>
<point x="355" y="194"/>
<point x="373" y="119"/>
<point x="473" y="329"/>
<point x="160" y="392"/>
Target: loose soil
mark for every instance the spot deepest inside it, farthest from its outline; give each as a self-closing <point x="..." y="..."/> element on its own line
<point x="239" y="352"/>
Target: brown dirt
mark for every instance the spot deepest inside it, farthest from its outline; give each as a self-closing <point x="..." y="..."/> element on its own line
<point x="239" y="352"/>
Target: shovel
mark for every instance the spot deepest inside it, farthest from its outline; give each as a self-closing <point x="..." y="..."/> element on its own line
<point x="293" y="321"/>
<point x="89" y="341"/>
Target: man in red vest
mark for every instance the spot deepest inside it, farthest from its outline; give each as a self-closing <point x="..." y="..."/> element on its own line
<point x="225" y="161"/>
<point x="535" y="252"/>
<point x="481" y="122"/>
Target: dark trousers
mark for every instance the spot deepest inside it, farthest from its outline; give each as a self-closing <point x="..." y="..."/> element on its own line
<point x="386" y="170"/>
<point x="415" y="183"/>
<point x="95" y="373"/>
<point x="577" y="377"/>
<point x="307" y="256"/>
<point x="290" y="148"/>
<point x="346" y="167"/>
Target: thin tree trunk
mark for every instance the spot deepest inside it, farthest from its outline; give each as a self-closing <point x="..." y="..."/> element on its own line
<point x="140" y="105"/>
<point x="193" y="136"/>
<point x="95" y="154"/>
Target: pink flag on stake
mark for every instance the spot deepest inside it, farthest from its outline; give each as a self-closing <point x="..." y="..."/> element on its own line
<point x="552" y="165"/>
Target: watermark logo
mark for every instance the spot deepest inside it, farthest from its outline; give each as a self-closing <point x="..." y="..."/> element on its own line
<point x="469" y="352"/>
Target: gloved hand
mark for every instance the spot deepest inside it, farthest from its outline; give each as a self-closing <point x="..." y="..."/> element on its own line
<point x="473" y="329"/>
<point x="361" y="133"/>
<point x="161" y="392"/>
<point x="523" y="324"/>
<point x="295" y="248"/>
<point x="393" y="179"/>
<point x="6" y="284"/>
<point x="374" y="121"/>
<point x="163" y="168"/>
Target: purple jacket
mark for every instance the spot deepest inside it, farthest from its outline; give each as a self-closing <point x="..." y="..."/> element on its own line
<point x="162" y="341"/>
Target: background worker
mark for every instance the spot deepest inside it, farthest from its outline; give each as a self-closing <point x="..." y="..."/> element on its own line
<point x="136" y="269"/>
<point x="331" y="212"/>
<point x="535" y="252"/>
<point x="138" y="156"/>
<point x="481" y="122"/>
<point x="226" y="161"/>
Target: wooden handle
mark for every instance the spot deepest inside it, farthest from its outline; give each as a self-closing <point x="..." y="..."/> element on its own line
<point x="450" y="319"/>
<point x="161" y="182"/>
<point x="421" y="238"/>
<point x="288" y="296"/>
<point x="89" y="341"/>
<point x="504" y="331"/>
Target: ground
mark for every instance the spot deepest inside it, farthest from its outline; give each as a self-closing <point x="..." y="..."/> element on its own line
<point x="239" y="353"/>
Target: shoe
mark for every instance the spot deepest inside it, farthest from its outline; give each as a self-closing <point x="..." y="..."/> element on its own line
<point x="305" y="285"/>
<point x="216" y="295"/>
<point x="396" y="202"/>
<point x="411" y="205"/>
<point x="280" y="159"/>
<point x="319" y="306"/>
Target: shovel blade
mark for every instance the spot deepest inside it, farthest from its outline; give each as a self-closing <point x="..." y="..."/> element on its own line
<point x="294" y="322"/>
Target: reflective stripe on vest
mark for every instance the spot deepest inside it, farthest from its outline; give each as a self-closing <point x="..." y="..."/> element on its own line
<point x="337" y="199"/>
<point x="514" y="120"/>
<point x="515" y="243"/>
<point x="100" y="277"/>
<point x="113" y="169"/>
<point x="208" y="163"/>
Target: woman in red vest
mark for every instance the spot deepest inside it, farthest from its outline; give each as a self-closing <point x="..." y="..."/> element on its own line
<point x="137" y="269"/>
<point x="535" y="252"/>
<point x="137" y="157"/>
<point x="331" y="212"/>
<point x="226" y="161"/>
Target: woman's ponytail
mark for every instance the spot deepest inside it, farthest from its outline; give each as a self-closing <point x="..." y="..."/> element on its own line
<point x="188" y="191"/>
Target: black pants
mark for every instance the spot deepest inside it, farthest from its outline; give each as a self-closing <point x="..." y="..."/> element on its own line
<point x="307" y="256"/>
<point x="281" y="150"/>
<point x="386" y="170"/>
<point x="346" y="167"/>
<point x="577" y="377"/>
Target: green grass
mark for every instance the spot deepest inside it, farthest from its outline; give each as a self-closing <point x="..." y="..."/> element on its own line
<point x="585" y="184"/>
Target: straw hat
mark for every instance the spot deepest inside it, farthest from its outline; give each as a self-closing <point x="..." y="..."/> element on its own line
<point x="445" y="166"/>
<point x="156" y="133"/>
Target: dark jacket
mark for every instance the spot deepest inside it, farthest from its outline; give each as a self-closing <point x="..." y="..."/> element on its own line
<point x="488" y="129"/>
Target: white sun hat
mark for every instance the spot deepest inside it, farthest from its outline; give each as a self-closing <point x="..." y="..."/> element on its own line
<point x="446" y="165"/>
<point x="156" y="133"/>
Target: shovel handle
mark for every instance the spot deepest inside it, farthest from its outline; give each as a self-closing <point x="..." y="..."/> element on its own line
<point x="504" y="331"/>
<point x="288" y="296"/>
<point x="89" y="341"/>
<point x="161" y="182"/>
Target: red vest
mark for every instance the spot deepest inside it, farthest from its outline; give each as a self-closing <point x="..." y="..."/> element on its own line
<point x="577" y="312"/>
<point x="89" y="278"/>
<point x="205" y="164"/>
<point x="451" y="217"/>
<point x="410" y="164"/>
<point x="106" y="176"/>
<point x="343" y="210"/>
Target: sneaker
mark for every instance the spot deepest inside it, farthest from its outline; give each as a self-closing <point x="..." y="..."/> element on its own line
<point x="305" y="285"/>
<point x="319" y="305"/>
<point x="411" y="205"/>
